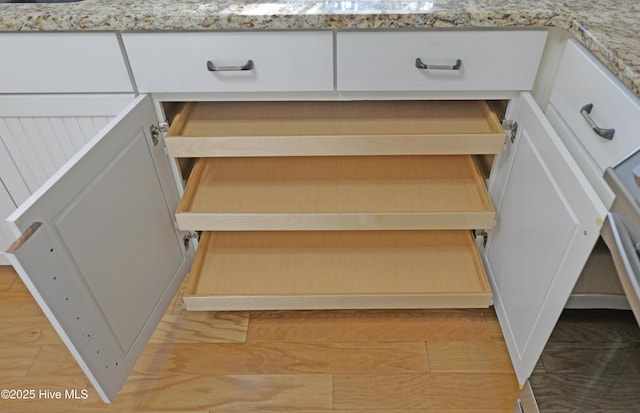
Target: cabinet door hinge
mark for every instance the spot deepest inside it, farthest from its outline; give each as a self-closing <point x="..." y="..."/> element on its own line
<point x="481" y="237"/>
<point x="188" y="237"/>
<point x="156" y="129"/>
<point x="510" y="128"/>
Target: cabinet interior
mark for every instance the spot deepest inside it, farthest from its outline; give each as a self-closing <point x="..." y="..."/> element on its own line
<point x="336" y="204"/>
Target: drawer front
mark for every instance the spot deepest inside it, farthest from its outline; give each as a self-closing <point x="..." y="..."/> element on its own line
<point x="231" y="62"/>
<point x="488" y="60"/>
<point x="62" y="63"/>
<point x="584" y="81"/>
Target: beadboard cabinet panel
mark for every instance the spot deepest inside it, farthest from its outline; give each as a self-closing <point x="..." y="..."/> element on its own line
<point x="7" y="205"/>
<point x="42" y="132"/>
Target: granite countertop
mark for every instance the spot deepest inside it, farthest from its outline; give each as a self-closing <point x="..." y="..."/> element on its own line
<point x="607" y="27"/>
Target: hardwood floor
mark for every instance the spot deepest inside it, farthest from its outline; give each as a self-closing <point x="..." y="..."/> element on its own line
<point x="307" y="361"/>
<point x="591" y="364"/>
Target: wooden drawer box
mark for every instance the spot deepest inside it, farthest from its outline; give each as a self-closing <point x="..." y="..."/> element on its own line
<point x="337" y="270"/>
<point x="489" y="60"/>
<point x="334" y="128"/>
<point x="62" y="63"/>
<point x="614" y="107"/>
<point x="335" y="204"/>
<point x="335" y="193"/>
<point x="280" y="61"/>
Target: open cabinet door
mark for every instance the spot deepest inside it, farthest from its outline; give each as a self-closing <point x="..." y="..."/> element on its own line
<point x="548" y="220"/>
<point x="100" y="252"/>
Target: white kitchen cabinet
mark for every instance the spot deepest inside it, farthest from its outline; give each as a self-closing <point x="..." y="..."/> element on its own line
<point x="536" y="187"/>
<point x="548" y="220"/>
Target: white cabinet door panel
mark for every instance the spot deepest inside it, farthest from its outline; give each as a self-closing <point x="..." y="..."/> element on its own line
<point x="106" y="260"/>
<point x="548" y="219"/>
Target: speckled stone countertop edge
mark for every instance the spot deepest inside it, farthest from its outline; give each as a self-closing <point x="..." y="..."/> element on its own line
<point x="99" y="18"/>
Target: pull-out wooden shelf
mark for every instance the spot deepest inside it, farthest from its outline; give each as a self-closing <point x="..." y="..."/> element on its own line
<point x="321" y="128"/>
<point x="336" y="193"/>
<point x="337" y="270"/>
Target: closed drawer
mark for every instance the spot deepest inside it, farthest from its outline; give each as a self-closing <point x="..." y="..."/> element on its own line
<point x="488" y="60"/>
<point x="337" y="270"/>
<point x="231" y="62"/>
<point x="203" y="129"/>
<point x="584" y="81"/>
<point x="62" y="63"/>
<point x="336" y="193"/>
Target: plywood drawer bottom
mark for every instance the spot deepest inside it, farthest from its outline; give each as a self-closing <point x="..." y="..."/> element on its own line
<point x="271" y="270"/>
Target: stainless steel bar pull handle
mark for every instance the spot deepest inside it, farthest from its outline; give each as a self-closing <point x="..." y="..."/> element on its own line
<point x="585" y="111"/>
<point x="421" y="65"/>
<point x="213" y="68"/>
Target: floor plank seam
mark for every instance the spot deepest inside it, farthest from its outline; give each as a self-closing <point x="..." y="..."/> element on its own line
<point x="28" y="374"/>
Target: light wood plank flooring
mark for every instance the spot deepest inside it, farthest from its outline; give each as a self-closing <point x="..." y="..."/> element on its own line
<point x="307" y="361"/>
